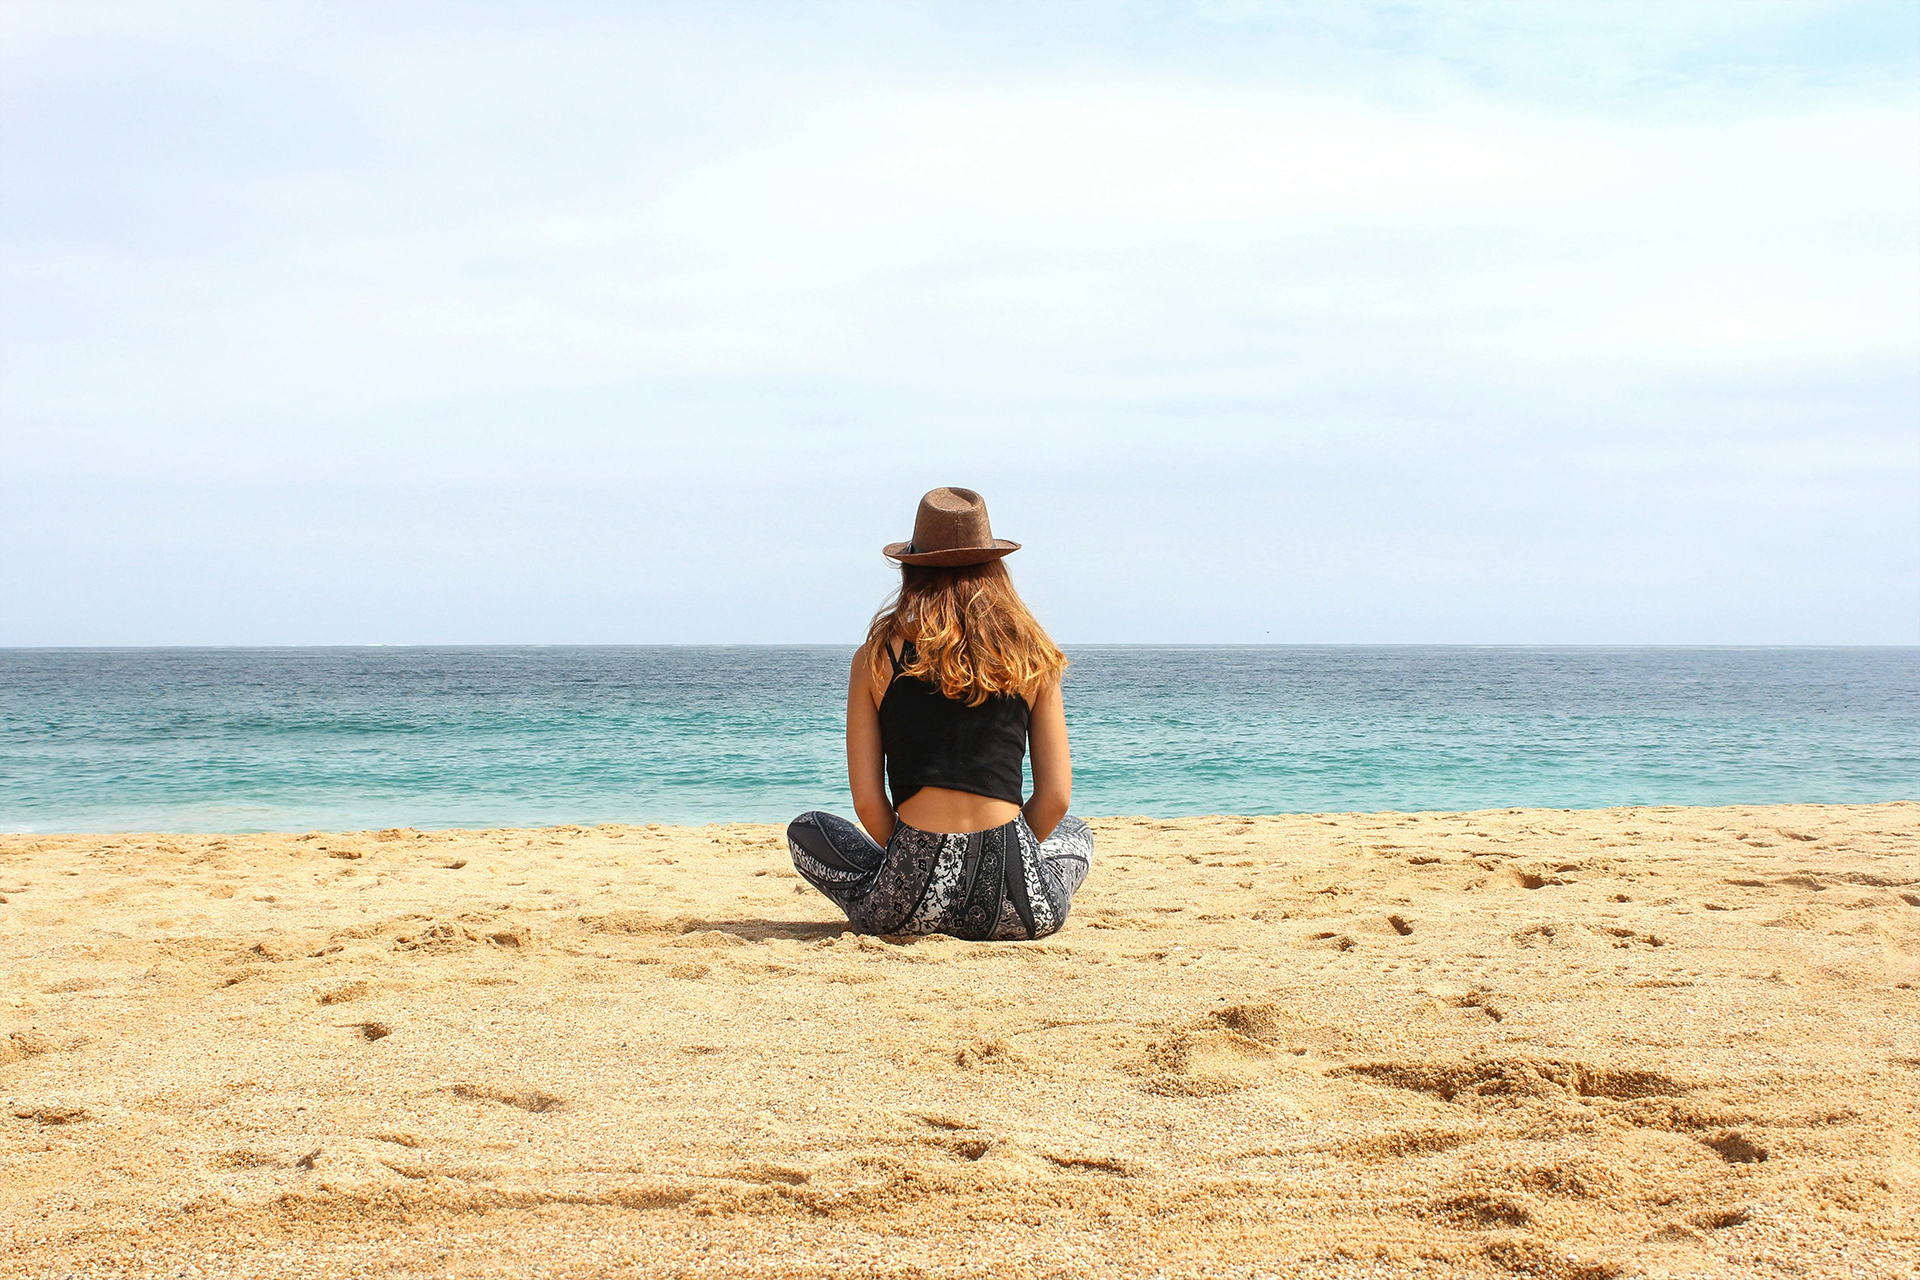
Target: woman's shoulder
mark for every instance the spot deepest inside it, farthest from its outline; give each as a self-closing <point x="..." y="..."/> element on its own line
<point x="880" y="661"/>
<point x="865" y="654"/>
<point x="892" y="645"/>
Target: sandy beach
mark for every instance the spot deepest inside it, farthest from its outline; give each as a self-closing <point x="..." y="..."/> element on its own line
<point x="1664" y="1042"/>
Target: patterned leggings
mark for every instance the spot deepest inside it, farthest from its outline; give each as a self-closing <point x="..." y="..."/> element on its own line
<point x="979" y="885"/>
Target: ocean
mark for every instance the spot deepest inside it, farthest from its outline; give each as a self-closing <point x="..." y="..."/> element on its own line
<point x="366" y="738"/>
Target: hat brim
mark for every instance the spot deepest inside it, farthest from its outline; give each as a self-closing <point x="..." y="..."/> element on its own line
<point x="953" y="556"/>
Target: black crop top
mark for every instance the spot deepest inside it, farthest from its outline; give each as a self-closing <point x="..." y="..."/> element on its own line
<point x="931" y="740"/>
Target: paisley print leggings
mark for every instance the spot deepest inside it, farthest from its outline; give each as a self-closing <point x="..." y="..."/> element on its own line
<point x="979" y="885"/>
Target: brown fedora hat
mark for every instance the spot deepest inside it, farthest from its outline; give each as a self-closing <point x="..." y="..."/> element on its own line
<point x="951" y="528"/>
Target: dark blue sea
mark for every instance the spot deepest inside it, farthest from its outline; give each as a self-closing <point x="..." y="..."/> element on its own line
<point x="347" y="739"/>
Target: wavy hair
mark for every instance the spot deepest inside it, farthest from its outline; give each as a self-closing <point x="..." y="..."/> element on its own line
<point x="973" y="636"/>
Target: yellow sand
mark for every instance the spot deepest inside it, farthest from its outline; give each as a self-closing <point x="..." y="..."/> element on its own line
<point x="1539" y="1043"/>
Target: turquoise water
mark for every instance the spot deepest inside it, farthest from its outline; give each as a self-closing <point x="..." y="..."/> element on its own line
<point x="299" y="739"/>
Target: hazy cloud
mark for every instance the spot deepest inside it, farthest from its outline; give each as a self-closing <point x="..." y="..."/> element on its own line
<point x="1307" y="322"/>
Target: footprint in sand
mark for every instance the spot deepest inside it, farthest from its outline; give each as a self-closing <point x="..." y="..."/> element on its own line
<point x="1483" y="1001"/>
<point x="1112" y="1166"/>
<point x="989" y="1053"/>
<point x="534" y="1100"/>
<point x="52" y="1113"/>
<point x="1509" y="1078"/>
<point x="1719" y="1219"/>
<point x="1010" y="1159"/>
<point x="1694" y="1227"/>
<point x="770" y="1175"/>
<point x="1481" y="1211"/>
<point x="1735" y="1148"/>
<point x="1576" y="1180"/>
<point x="1226" y="1051"/>
<point x="962" y="1146"/>
<point x="21" y="1045"/>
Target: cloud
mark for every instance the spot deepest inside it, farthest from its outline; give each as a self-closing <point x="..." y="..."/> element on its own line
<point x="1480" y="316"/>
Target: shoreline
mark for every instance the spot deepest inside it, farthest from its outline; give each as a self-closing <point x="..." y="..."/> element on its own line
<point x="1579" y="1043"/>
<point x="625" y="827"/>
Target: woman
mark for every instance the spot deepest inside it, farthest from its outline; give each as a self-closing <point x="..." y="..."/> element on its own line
<point x="955" y="677"/>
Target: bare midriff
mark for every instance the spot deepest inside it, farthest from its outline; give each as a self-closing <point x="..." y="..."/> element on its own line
<point x="942" y="810"/>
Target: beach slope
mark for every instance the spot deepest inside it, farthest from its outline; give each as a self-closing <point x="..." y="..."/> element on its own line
<point x="1534" y="1043"/>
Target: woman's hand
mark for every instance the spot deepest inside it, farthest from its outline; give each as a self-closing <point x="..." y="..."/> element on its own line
<point x="866" y="771"/>
<point x="1052" y="763"/>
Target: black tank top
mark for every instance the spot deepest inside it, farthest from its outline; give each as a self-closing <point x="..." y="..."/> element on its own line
<point x="931" y="740"/>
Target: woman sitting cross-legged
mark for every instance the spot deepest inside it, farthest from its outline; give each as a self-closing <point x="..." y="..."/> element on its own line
<point x="955" y="677"/>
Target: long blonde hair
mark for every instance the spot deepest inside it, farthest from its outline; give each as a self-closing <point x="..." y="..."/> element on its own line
<point x="973" y="636"/>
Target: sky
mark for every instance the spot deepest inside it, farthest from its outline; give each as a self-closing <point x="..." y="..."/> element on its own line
<point x="479" y="323"/>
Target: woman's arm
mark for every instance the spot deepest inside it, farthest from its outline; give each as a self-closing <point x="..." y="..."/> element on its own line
<point x="866" y="773"/>
<point x="1052" y="764"/>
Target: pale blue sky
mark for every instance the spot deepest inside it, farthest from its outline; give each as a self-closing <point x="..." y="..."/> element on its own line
<point x="486" y="323"/>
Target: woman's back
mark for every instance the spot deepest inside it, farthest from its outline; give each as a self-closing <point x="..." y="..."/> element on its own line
<point x="932" y="740"/>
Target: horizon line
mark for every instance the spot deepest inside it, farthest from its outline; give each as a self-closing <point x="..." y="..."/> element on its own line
<point x="1080" y="644"/>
